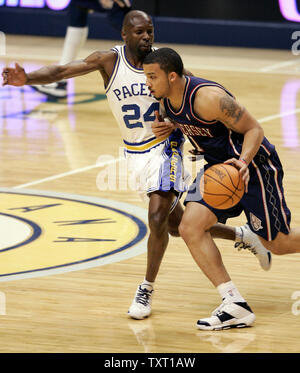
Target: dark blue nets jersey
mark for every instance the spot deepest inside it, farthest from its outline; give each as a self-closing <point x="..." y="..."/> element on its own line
<point x="218" y="142"/>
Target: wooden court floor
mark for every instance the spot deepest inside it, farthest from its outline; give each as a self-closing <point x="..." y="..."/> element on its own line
<point x="54" y="156"/>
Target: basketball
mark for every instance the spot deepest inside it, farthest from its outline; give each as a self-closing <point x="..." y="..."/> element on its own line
<point x="222" y="186"/>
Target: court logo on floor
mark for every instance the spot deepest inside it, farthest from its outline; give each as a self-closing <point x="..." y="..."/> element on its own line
<point x="43" y="233"/>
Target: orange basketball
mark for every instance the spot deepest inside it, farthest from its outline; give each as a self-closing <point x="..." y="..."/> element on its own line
<point x="222" y="186"/>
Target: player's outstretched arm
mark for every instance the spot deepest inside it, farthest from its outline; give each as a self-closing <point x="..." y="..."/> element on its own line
<point x="48" y="74"/>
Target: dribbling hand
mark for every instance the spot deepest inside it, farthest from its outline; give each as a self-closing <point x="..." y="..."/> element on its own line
<point x="243" y="169"/>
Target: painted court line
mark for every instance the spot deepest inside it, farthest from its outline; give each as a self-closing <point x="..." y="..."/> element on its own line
<point x="280" y="115"/>
<point x="279" y="65"/>
<point x="68" y="173"/>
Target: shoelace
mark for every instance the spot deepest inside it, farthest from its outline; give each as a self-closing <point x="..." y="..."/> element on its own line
<point x="218" y="310"/>
<point x="219" y="313"/>
<point x="143" y="296"/>
<point x="242" y="245"/>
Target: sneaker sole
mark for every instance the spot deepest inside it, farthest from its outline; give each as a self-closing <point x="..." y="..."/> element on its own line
<point x="138" y="318"/>
<point x="243" y="323"/>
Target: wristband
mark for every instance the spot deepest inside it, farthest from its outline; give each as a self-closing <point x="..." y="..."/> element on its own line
<point x="243" y="160"/>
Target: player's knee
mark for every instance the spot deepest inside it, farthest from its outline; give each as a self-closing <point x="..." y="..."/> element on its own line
<point x="174" y="231"/>
<point x="187" y="231"/>
<point x="182" y="229"/>
<point x="158" y="220"/>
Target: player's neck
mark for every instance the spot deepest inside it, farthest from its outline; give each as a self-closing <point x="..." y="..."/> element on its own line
<point x="177" y="92"/>
<point x="134" y="59"/>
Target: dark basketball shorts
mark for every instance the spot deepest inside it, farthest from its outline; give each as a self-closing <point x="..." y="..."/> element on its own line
<point x="264" y="205"/>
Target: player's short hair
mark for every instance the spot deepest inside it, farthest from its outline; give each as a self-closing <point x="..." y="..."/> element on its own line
<point x="168" y="60"/>
<point x="131" y="15"/>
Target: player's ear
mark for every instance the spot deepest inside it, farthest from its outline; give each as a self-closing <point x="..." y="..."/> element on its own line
<point x="172" y="76"/>
<point x="123" y="34"/>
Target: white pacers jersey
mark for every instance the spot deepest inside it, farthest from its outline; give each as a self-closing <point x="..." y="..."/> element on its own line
<point x="132" y="104"/>
<point x="153" y="164"/>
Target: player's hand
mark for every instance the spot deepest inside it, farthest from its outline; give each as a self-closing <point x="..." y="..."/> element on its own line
<point x="243" y="169"/>
<point x="161" y="128"/>
<point x="14" y="76"/>
<point x="123" y="3"/>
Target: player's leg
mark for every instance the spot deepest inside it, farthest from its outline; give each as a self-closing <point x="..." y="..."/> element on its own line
<point x="194" y="229"/>
<point x="175" y="217"/>
<point x="243" y="237"/>
<point x="284" y="243"/>
<point x="77" y="32"/>
<point x="162" y="175"/>
<point x="218" y="230"/>
<point x="158" y="213"/>
<point x="267" y="211"/>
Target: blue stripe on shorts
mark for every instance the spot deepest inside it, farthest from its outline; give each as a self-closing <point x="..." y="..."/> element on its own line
<point x="171" y="170"/>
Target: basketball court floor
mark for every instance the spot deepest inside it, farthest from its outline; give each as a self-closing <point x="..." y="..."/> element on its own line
<point x="73" y="231"/>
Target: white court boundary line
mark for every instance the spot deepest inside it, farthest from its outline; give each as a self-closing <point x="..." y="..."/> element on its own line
<point x="87" y="168"/>
<point x="68" y="173"/>
<point x="280" y="115"/>
<point x="279" y="65"/>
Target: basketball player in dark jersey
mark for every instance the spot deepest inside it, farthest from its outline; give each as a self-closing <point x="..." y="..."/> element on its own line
<point x="218" y="125"/>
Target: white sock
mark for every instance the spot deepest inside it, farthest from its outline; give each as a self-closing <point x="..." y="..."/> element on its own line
<point x="229" y="291"/>
<point x="74" y="40"/>
<point x="147" y="285"/>
<point x="238" y="234"/>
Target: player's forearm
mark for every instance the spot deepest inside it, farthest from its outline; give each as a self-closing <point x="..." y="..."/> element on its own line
<point x="45" y="75"/>
<point x="252" y="141"/>
<point x="55" y="73"/>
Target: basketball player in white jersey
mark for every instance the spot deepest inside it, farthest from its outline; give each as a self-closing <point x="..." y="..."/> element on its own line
<point x="156" y="164"/>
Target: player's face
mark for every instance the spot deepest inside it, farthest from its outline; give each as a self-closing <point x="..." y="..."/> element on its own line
<point x="157" y="80"/>
<point x="139" y="36"/>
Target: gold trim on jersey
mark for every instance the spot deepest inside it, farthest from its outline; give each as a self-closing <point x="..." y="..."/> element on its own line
<point x="127" y="63"/>
<point x="114" y="73"/>
<point x="144" y="147"/>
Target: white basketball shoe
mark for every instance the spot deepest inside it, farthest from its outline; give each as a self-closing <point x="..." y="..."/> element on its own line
<point x="227" y="316"/>
<point x="251" y="242"/>
<point x="53" y="90"/>
<point x="141" y="305"/>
